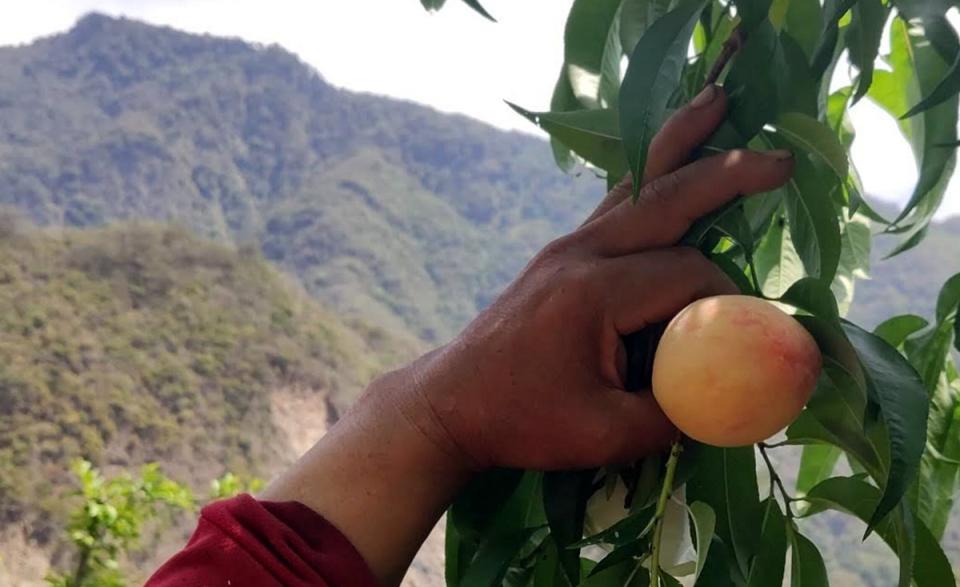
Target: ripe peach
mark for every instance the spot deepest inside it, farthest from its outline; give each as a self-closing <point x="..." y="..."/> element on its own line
<point x="734" y="370"/>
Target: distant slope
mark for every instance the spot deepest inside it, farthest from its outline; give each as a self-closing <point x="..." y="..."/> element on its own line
<point x="908" y="283"/>
<point x="140" y="343"/>
<point x="385" y="209"/>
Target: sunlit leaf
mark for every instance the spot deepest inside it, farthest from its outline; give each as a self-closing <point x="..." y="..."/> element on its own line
<point x="916" y="69"/>
<point x="811" y="214"/>
<point x="636" y="16"/>
<point x="895" y="330"/>
<point x="704" y="524"/>
<point x="591" y="134"/>
<point x="778" y="264"/>
<point x="833" y="11"/>
<point x="817" y="462"/>
<point x="812" y="136"/>
<point x="655" y="68"/>
<point x="863" y="40"/>
<point x="585" y="41"/>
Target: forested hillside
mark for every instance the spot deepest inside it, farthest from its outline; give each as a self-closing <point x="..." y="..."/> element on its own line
<point x="137" y="342"/>
<point x="385" y="209"/>
<point x="140" y="343"/>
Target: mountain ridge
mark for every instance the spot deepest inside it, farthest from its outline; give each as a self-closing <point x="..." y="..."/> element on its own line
<point x="388" y="212"/>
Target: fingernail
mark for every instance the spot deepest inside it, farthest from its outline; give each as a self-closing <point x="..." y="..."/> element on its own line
<point x="705" y="96"/>
<point x="779" y="154"/>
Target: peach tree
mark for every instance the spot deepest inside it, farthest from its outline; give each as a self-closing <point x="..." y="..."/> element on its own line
<point x="879" y="439"/>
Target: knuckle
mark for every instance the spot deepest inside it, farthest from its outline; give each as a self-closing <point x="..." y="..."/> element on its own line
<point x="559" y="247"/>
<point x="661" y="197"/>
<point x="662" y="189"/>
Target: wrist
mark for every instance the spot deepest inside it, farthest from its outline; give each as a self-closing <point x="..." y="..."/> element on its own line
<point x="407" y="396"/>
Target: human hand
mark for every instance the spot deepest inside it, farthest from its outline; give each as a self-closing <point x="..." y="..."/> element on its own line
<point x="537" y="380"/>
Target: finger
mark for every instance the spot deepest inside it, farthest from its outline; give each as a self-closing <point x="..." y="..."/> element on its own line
<point x="628" y="426"/>
<point x="683" y="132"/>
<point x="668" y="205"/>
<point x="652" y="287"/>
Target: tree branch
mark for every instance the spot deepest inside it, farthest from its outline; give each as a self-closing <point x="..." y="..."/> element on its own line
<point x="730" y="48"/>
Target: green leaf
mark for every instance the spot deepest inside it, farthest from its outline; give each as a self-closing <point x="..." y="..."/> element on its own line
<point x="475" y="4"/>
<point x="948" y="302"/>
<point x="939" y="465"/>
<point x="716" y="571"/>
<point x="817" y="139"/>
<point x="833" y="11"/>
<point x="814" y="296"/>
<point x="803" y="24"/>
<point x="623" y="553"/>
<point x="806" y="568"/>
<point x="800" y="87"/>
<point x="923" y="556"/>
<point x="778" y="264"/>
<point x="476" y="509"/>
<point x="755" y="82"/>
<point x="636" y="16"/>
<point x="547" y="571"/>
<point x="895" y="387"/>
<point x="563" y="100"/>
<point x="896" y="330"/>
<point x="929" y="351"/>
<point x="704" y="523"/>
<point x="856" y="240"/>
<point x="916" y="69"/>
<point x="493" y="558"/>
<point x="768" y="566"/>
<point x="817" y="462"/>
<point x="585" y="43"/>
<point x="752" y="13"/>
<point x="811" y="215"/>
<point x="863" y="40"/>
<point x="565" y="495"/>
<point x="656" y="64"/>
<point x="433" y="5"/>
<point x="591" y="134"/>
<point x="725" y="479"/>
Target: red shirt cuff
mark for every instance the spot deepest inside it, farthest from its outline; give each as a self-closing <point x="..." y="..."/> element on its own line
<point x="242" y="541"/>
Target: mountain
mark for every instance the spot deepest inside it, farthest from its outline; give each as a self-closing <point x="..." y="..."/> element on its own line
<point x="139" y="343"/>
<point x="385" y="209"/>
<point x="123" y="337"/>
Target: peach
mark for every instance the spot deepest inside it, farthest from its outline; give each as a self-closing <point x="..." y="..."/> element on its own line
<point x="734" y="370"/>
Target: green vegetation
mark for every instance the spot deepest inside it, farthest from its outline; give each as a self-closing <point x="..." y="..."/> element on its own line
<point x="888" y="400"/>
<point x="108" y="521"/>
<point x="386" y="210"/>
<point x="139" y="343"/>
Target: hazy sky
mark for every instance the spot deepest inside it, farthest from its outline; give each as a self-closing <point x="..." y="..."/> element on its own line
<point x="454" y="60"/>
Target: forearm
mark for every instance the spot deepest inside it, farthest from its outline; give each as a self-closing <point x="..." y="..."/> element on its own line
<point x="377" y="476"/>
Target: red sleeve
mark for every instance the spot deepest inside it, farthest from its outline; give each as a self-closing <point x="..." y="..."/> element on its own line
<point x="242" y="541"/>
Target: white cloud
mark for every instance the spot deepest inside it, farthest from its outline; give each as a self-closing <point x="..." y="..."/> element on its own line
<point x="453" y="60"/>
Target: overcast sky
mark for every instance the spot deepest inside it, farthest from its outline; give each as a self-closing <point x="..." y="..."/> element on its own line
<point x="454" y="61"/>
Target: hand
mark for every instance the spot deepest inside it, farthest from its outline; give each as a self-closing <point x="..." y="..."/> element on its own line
<point x="537" y="380"/>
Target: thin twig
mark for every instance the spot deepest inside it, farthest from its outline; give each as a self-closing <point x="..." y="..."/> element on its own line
<point x="730" y="47"/>
<point x="776" y="481"/>
<point x="665" y="492"/>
